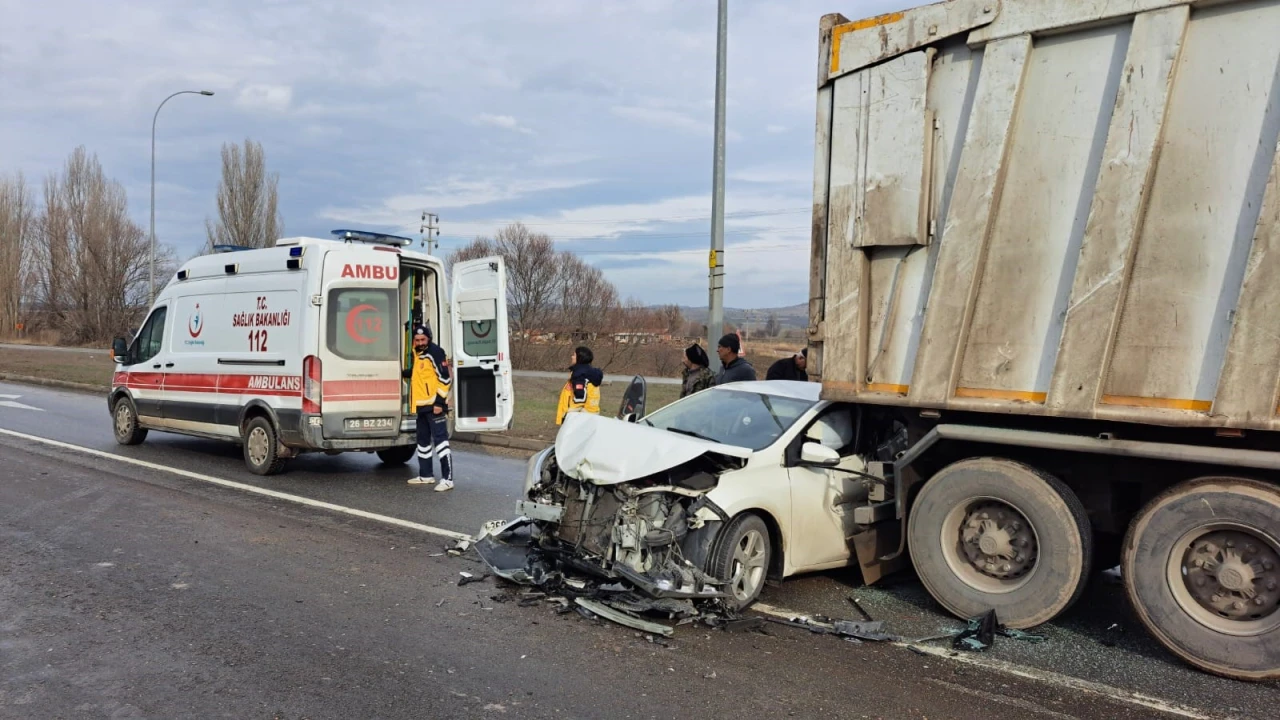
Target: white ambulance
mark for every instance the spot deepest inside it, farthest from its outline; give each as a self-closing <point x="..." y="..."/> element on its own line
<point x="300" y="347"/>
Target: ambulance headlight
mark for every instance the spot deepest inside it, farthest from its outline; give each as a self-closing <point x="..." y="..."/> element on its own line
<point x="533" y="471"/>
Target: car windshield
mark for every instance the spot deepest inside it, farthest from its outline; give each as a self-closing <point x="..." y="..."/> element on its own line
<point x="731" y="417"/>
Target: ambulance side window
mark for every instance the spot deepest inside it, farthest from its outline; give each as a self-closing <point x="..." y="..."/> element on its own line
<point x="151" y="336"/>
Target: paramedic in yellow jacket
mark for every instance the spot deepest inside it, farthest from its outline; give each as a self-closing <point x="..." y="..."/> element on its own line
<point x="430" y="380"/>
<point x="582" y="392"/>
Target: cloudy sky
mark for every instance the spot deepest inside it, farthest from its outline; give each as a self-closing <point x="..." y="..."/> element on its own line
<point x="589" y="120"/>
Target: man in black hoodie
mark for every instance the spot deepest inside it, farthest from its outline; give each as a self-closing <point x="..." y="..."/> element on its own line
<point x="735" y="369"/>
<point x="792" y="368"/>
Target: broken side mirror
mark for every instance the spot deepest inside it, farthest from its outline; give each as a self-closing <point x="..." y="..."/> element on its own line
<point x="629" y="417"/>
<point x="812" y="453"/>
<point x="120" y="351"/>
<point x="633" y="400"/>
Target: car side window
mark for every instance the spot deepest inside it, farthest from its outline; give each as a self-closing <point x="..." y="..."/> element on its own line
<point x="151" y="335"/>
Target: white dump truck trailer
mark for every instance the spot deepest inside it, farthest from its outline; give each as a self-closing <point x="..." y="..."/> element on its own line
<point x="1046" y="269"/>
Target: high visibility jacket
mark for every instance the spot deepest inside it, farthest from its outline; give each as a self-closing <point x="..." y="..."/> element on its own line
<point x="431" y="378"/>
<point x="581" y="393"/>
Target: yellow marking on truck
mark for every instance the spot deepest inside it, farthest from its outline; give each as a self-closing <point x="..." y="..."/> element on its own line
<point x="1159" y="403"/>
<point x="888" y="388"/>
<point x="840" y="30"/>
<point x="990" y="394"/>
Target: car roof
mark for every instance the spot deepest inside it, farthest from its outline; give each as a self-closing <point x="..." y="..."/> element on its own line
<point x="795" y="389"/>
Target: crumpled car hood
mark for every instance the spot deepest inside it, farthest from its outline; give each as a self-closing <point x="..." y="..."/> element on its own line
<point x="605" y="451"/>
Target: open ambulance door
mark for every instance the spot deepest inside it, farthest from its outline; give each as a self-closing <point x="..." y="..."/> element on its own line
<point x="483" y="393"/>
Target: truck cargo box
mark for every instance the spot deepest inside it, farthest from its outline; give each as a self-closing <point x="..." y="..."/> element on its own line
<point x="1048" y="207"/>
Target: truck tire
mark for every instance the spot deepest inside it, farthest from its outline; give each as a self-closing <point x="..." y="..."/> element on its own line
<point x="397" y="455"/>
<point x="1201" y="565"/>
<point x="125" y="423"/>
<point x="741" y="558"/>
<point x="989" y="533"/>
<point x="262" y="447"/>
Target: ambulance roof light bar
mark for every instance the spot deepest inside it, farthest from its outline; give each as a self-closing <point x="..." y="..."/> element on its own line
<point x="374" y="238"/>
<point x="230" y="248"/>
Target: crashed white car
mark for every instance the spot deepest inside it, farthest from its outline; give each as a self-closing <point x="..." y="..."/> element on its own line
<point x="708" y="497"/>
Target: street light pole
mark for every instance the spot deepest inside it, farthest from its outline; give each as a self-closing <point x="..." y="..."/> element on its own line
<point x="715" y="279"/>
<point x="152" y="273"/>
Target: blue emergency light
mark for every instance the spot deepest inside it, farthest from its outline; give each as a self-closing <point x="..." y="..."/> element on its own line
<point x="372" y="237"/>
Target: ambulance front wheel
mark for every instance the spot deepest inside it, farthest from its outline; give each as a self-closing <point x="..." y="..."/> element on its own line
<point x="125" y="417"/>
<point x="262" y="447"/>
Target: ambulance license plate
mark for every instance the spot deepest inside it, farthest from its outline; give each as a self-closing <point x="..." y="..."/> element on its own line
<point x="370" y="423"/>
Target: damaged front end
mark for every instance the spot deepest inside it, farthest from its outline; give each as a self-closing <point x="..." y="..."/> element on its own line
<point x="608" y="522"/>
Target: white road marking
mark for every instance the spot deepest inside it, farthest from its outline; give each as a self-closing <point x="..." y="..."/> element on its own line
<point x="12" y="401"/>
<point x="243" y="487"/>
<point x="1044" y="676"/>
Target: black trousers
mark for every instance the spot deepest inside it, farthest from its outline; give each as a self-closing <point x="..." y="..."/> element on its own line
<point x="433" y="442"/>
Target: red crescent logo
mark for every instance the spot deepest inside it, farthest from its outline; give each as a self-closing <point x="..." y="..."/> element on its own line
<point x="353" y="321"/>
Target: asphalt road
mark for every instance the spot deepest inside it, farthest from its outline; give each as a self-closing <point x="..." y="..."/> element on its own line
<point x="290" y="611"/>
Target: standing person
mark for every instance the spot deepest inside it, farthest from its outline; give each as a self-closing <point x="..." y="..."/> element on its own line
<point x="697" y="371"/>
<point x="582" y="392"/>
<point x="734" y="368"/>
<point x="792" y="368"/>
<point x="430" y="380"/>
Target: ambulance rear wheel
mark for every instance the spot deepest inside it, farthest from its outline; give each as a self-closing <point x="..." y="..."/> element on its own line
<point x="127" y="430"/>
<point x="262" y="447"/>
<point x="397" y="455"/>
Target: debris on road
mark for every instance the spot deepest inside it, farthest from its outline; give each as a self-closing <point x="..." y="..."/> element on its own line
<point x="871" y="630"/>
<point x="468" y="578"/>
<point x="980" y="633"/>
<point x="861" y="610"/>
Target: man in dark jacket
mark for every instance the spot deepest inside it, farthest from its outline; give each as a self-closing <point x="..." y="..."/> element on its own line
<point x="792" y="368"/>
<point x="735" y="369"/>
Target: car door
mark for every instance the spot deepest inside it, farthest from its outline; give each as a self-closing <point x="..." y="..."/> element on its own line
<point x="822" y="498"/>
<point x="484" y="400"/>
<point x="146" y="373"/>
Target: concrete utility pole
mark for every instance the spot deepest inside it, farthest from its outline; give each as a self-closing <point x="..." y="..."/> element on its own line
<point x="430" y="223"/>
<point x="151" y="275"/>
<point x="715" y="279"/>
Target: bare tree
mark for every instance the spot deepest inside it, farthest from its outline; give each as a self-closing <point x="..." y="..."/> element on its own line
<point x="772" y="327"/>
<point x="90" y="258"/>
<point x="16" y="225"/>
<point x="671" y="319"/>
<point x="248" y="199"/>
<point x="585" y="298"/>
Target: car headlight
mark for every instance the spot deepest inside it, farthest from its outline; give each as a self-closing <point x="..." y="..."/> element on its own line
<point x="533" y="470"/>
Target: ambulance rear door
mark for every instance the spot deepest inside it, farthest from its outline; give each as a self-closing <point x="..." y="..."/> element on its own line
<point x="359" y="372"/>
<point x="483" y="394"/>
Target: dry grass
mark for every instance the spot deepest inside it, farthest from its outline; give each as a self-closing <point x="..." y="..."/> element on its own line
<point x="536" y="398"/>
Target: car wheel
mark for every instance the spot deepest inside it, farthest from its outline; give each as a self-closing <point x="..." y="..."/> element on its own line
<point x="125" y="417"/>
<point x="1201" y="566"/>
<point x="397" y="455"/>
<point x="262" y="447"/>
<point x="994" y="534"/>
<point x="741" y="559"/>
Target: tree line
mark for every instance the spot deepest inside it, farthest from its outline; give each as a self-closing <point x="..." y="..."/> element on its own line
<point x="556" y="300"/>
<point x="74" y="266"/>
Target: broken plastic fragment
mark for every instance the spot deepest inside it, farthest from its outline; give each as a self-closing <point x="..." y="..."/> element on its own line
<point x="980" y="633"/>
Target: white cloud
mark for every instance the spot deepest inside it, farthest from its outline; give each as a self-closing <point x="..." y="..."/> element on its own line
<point x="775" y="129"/>
<point x="452" y="194"/>
<point x="505" y="122"/>
<point x="661" y="117"/>
<point x="269" y="98"/>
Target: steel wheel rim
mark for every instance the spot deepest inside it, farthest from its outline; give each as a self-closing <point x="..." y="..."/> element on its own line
<point x="997" y="553"/>
<point x="258" y="446"/>
<point x="748" y="566"/>
<point x="1220" y="585"/>
<point x="124" y="423"/>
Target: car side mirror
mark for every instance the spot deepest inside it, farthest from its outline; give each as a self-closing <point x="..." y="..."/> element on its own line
<point x="630" y="417"/>
<point x="812" y="453"/>
<point x="119" y="350"/>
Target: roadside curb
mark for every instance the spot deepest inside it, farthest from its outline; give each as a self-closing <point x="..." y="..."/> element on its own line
<point x="64" y="384"/>
<point x="512" y="443"/>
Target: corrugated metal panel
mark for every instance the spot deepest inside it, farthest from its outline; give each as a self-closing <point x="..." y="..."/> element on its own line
<point x="1108" y="218"/>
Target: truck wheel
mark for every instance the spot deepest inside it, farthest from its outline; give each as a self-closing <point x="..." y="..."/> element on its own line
<point x="262" y="447"/>
<point x="397" y="455"/>
<point x="125" y="417"/>
<point x="741" y="559"/>
<point x="989" y="533"/>
<point x="1201" y="566"/>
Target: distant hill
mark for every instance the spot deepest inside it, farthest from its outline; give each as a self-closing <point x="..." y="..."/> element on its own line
<point x="790" y="317"/>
